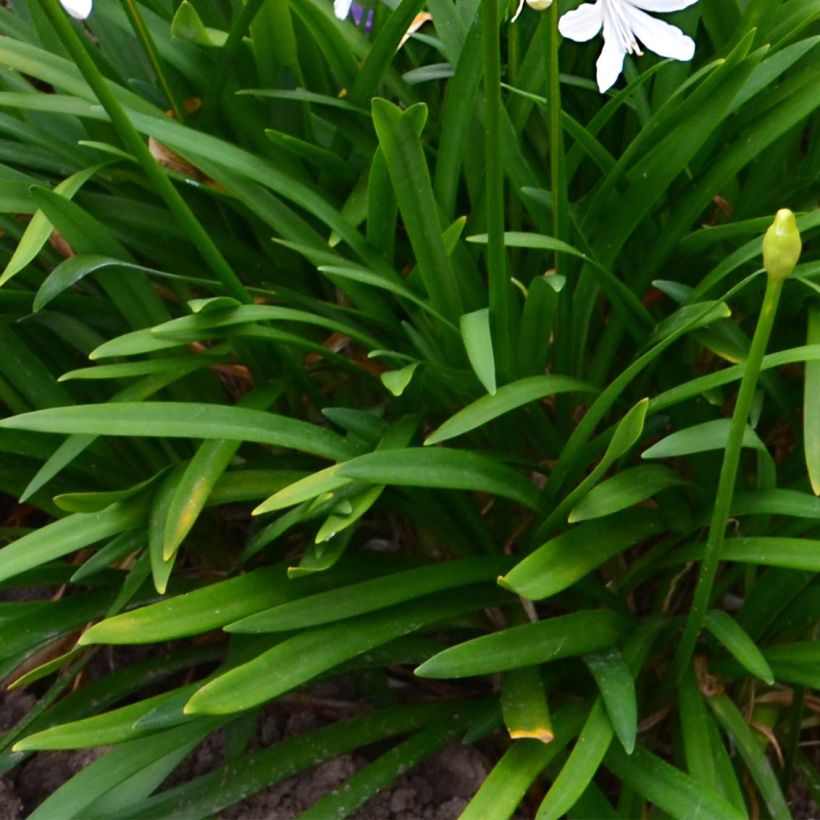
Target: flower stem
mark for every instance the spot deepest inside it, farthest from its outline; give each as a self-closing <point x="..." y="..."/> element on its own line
<point x="494" y="183"/>
<point x="728" y="476"/>
<point x="556" y="135"/>
<point x="133" y="142"/>
<point x="564" y="334"/>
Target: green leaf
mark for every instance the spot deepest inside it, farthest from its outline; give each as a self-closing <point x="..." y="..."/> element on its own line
<point x="694" y="725"/>
<point x="96" y="502"/>
<point x="584" y="760"/>
<point x="320" y="483"/>
<point x="440" y="467"/>
<point x="74" y="445"/>
<point x="524" y="705"/>
<point x="537" y="322"/>
<point x="34" y="628"/>
<point x="573" y="450"/>
<point x="115" y="550"/>
<point x="614" y="288"/>
<point x="739" y="644"/>
<point x="111" y="727"/>
<point x="790" y="553"/>
<point x="396" y="381"/>
<point x="797" y="662"/>
<point x="339" y="520"/>
<point x="540" y="642"/>
<point x="68" y="535"/>
<point x="73" y="270"/>
<point x="182" y="420"/>
<point x="617" y="690"/>
<point x="667" y="787"/>
<point x="505" y="787"/>
<point x="627" y="433"/>
<point x="733" y="722"/>
<point x="478" y="342"/>
<point x="624" y="490"/>
<point x="506" y="398"/>
<point x="200" y="476"/>
<point x="403" y="152"/>
<point x="161" y="566"/>
<point x="39" y="229"/>
<point x="711" y="435"/>
<point x="306" y="655"/>
<point x="382" y="51"/>
<point x="216" y="604"/>
<point x="790" y="503"/>
<point x="112" y="769"/>
<point x="207" y="795"/>
<point x="188" y="25"/>
<point x="568" y="557"/>
<point x="368" y="596"/>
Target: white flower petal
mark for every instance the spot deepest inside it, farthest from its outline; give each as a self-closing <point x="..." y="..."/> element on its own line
<point x="583" y="23"/>
<point x="78" y="8"/>
<point x="341" y="8"/>
<point x="662" y="5"/>
<point x="662" y="38"/>
<point x="611" y="62"/>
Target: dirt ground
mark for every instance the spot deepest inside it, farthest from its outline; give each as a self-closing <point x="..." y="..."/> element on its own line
<point x="437" y="789"/>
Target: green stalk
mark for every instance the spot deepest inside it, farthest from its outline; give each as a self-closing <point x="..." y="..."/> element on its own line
<point x="728" y="476"/>
<point x="564" y="332"/>
<point x="781" y="252"/>
<point x="556" y="135"/>
<point x="133" y="143"/>
<point x="494" y="183"/>
<point x="147" y="42"/>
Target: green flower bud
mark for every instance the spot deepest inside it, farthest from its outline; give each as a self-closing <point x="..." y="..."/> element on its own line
<point x="539" y="5"/>
<point x="782" y="245"/>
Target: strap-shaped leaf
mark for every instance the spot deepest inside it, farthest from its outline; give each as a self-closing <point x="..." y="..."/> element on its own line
<point x="560" y="637"/>
<point x="182" y="420"/>
<point x="306" y="655"/>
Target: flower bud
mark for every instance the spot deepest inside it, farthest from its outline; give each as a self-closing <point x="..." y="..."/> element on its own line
<point x="782" y="245"/>
<point x="539" y="5"/>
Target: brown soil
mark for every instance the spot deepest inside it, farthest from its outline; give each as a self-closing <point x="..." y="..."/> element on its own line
<point x="437" y="789"/>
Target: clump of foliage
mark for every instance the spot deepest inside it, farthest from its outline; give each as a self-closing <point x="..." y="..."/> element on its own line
<point x="412" y="354"/>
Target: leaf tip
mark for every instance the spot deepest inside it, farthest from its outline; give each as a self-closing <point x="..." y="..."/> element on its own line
<point x="427" y="669"/>
<point x="541" y="733"/>
<point x="504" y="583"/>
<point x="88" y="637"/>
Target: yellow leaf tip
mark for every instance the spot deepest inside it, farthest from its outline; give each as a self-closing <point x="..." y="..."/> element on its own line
<point x="504" y="583"/>
<point x="537" y="733"/>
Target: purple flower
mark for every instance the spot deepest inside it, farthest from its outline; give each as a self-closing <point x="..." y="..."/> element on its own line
<point x="343" y="8"/>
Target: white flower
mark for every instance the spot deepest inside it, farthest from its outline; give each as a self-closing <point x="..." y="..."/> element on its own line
<point x="341" y="8"/>
<point x="77" y="8"/>
<point x="625" y="22"/>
